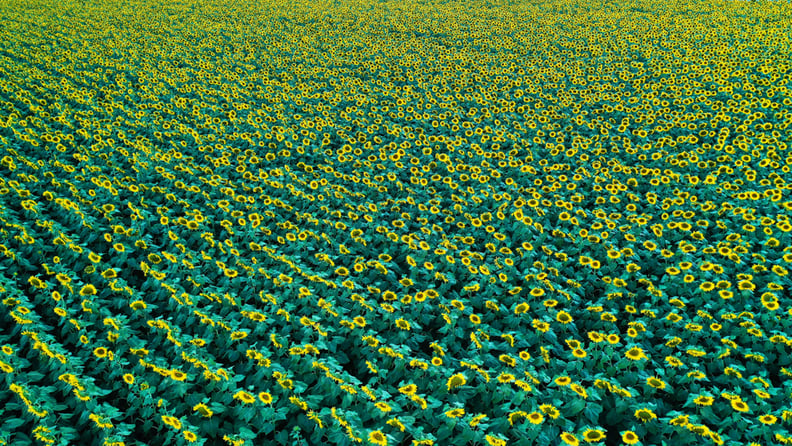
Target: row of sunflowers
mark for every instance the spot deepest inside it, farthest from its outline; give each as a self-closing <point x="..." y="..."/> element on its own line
<point x="488" y="222"/>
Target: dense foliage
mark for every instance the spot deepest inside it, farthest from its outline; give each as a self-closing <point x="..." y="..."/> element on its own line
<point x="395" y="222"/>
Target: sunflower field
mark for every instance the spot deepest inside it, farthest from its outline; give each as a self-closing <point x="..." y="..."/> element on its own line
<point x="395" y="222"/>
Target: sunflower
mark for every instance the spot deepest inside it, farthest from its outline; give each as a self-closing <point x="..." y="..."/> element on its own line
<point x="172" y="422"/>
<point x="406" y="282"/>
<point x="508" y="360"/>
<point x="342" y="271"/>
<point x="550" y="411"/>
<point x="244" y="397"/>
<point x="453" y="413"/>
<point x="563" y="380"/>
<point x="768" y="419"/>
<point x="635" y="354"/>
<point x="580" y="390"/>
<point x="504" y="378"/>
<point x="704" y="400"/>
<point x="699" y="429"/>
<point x="203" y="409"/>
<point x="515" y="416"/>
<point x="378" y="438"/>
<point x="87" y="290"/>
<point x="540" y="326"/>
<point x="629" y="437"/>
<point x="569" y="439"/>
<point x="593" y="435"/>
<point x="564" y="317"/>
<point x="747" y="285"/>
<point x="579" y="353"/>
<point x="384" y="407"/>
<point x="680" y="420"/>
<point x="455" y="381"/>
<point x="550" y="303"/>
<point x="265" y="397"/>
<point x="739" y="405"/>
<point x="645" y="414"/>
<point x="409" y="389"/>
<point x="178" y="375"/>
<point x="761" y="394"/>
<point x="535" y="418"/>
<point x="237" y="335"/>
<point x="190" y="436"/>
<point x="36" y="282"/>
<point x="725" y="294"/>
<point x="397" y="424"/>
<point x="655" y="382"/>
<point x="596" y="337"/>
<point x="494" y="441"/>
<point x="403" y="324"/>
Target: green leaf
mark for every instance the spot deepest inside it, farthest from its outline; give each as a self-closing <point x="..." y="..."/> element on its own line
<point x="592" y="413"/>
<point x="33" y="377"/>
<point x="443" y="433"/>
<point x="13" y="423"/>
<point x="575" y="407"/>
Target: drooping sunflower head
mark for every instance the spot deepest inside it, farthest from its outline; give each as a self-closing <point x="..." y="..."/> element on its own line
<point x="455" y="381"/>
<point x="645" y="414"/>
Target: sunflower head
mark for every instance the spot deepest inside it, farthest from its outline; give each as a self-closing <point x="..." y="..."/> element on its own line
<point x="535" y="418"/>
<point x="564" y="317"/>
<point x="740" y="406"/>
<point x="768" y="419"/>
<point x="629" y="437"/>
<point x="378" y="438"/>
<point x="563" y="380"/>
<point x="635" y="354"/>
<point x="455" y="381"/>
<point x="203" y="410"/>
<point x="593" y="435"/>
<point x="645" y="414"/>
